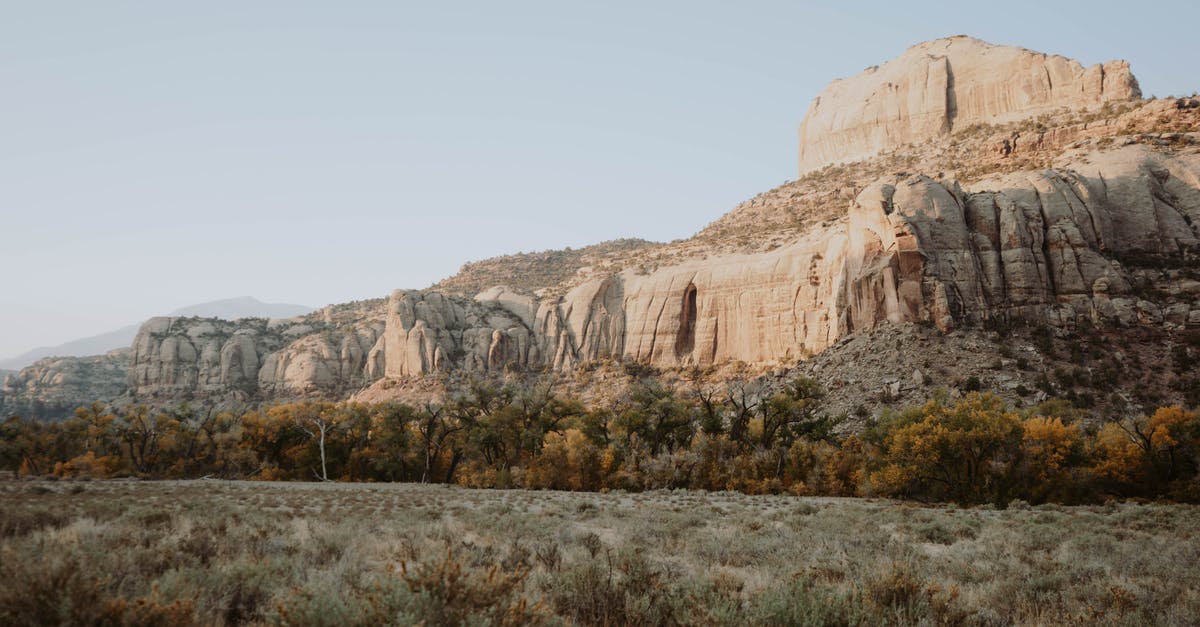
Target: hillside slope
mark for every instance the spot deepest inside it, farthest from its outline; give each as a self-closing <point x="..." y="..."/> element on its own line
<point x="1060" y="216"/>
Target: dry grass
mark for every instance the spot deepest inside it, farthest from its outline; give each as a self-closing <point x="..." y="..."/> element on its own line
<point x="287" y="553"/>
<point x="550" y="269"/>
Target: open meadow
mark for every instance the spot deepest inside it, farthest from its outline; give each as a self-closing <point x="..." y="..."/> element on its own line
<point x="228" y="552"/>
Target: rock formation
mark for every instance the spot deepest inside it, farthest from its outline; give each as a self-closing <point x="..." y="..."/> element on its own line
<point x="253" y="357"/>
<point x="1040" y="246"/>
<point x="1049" y="245"/>
<point x="53" y="387"/>
<point x="939" y="86"/>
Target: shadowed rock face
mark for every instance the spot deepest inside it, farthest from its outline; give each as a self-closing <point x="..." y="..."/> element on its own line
<point x="1037" y="245"/>
<point x="939" y="86"/>
<point x="51" y="388"/>
<point x="252" y="357"/>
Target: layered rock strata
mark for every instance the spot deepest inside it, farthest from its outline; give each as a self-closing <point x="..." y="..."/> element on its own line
<point x="1057" y="246"/>
<point x="939" y="86"/>
<point x="1043" y="246"/>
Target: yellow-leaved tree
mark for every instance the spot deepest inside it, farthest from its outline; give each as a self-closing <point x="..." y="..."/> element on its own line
<point x="1050" y="451"/>
<point x="962" y="451"/>
<point x="1151" y="455"/>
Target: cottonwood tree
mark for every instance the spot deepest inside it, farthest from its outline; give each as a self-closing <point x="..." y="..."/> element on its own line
<point x="387" y="451"/>
<point x="143" y="433"/>
<point x="710" y="408"/>
<point x="742" y="399"/>
<point x="482" y="408"/>
<point x="272" y="438"/>
<point x="352" y="447"/>
<point x="1159" y="450"/>
<point x="197" y="431"/>
<point x="539" y="411"/>
<point x="22" y="445"/>
<point x="318" y="421"/>
<point x="95" y="423"/>
<point x="1049" y="448"/>
<point x="962" y="451"/>
<point x="435" y="427"/>
<point x="654" y="415"/>
<point x="794" y="412"/>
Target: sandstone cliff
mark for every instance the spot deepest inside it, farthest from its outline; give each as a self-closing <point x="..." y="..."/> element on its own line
<point x="326" y="352"/>
<point x="53" y="387"/>
<point x="940" y="86"/>
<point x="1077" y="221"/>
<point x="1041" y="246"/>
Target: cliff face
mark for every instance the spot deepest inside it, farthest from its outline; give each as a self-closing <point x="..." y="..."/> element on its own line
<point x="1042" y="246"/>
<point x="937" y="87"/>
<point x="53" y="387"/>
<point x="255" y="357"/>
<point x="1093" y="222"/>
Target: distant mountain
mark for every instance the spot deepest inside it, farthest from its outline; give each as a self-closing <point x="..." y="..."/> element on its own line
<point x="228" y="309"/>
<point x="241" y="307"/>
<point x="94" y="345"/>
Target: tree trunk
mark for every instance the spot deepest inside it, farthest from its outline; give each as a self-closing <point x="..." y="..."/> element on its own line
<point x="457" y="457"/>
<point x="428" y="464"/>
<point x="324" y="474"/>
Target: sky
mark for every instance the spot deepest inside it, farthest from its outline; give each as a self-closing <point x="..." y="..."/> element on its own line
<point x="159" y="154"/>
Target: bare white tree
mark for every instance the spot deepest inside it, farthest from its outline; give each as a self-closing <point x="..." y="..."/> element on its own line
<point x="321" y="425"/>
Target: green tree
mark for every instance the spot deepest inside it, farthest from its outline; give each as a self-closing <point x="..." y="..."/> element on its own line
<point x="389" y="452"/>
<point x="439" y="434"/>
<point x="794" y="412"/>
<point x="654" y="416"/>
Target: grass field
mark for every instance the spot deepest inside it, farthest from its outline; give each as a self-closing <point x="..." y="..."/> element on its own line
<point x="216" y="552"/>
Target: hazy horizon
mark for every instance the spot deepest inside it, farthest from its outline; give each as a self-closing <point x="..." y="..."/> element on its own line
<point x="156" y="157"/>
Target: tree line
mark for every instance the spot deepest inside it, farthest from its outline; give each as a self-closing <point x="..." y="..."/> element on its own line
<point x="525" y="433"/>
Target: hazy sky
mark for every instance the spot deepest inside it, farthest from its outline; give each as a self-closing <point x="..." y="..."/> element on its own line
<point x="159" y="154"/>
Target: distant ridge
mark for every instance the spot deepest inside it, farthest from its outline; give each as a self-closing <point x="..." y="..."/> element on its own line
<point x="227" y="308"/>
<point x="242" y="307"/>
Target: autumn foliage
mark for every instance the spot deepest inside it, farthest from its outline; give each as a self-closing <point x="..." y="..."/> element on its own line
<point x="507" y="433"/>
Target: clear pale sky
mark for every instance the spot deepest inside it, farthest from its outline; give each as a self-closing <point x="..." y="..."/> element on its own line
<point x="155" y="154"/>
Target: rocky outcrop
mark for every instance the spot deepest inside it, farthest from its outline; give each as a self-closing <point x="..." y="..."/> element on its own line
<point x="431" y="332"/>
<point x="51" y="388"/>
<point x="256" y="358"/>
<point x="1040" y="246"/>
<point x="1107" y="236"/>
<point x="329" y="353"/>
<point x="939" y="86"/>
<point x="1045" y="246"/>
<point x="322" y="362"/>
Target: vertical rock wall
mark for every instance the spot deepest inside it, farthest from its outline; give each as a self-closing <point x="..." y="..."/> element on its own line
<point x="947" y="84"/>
